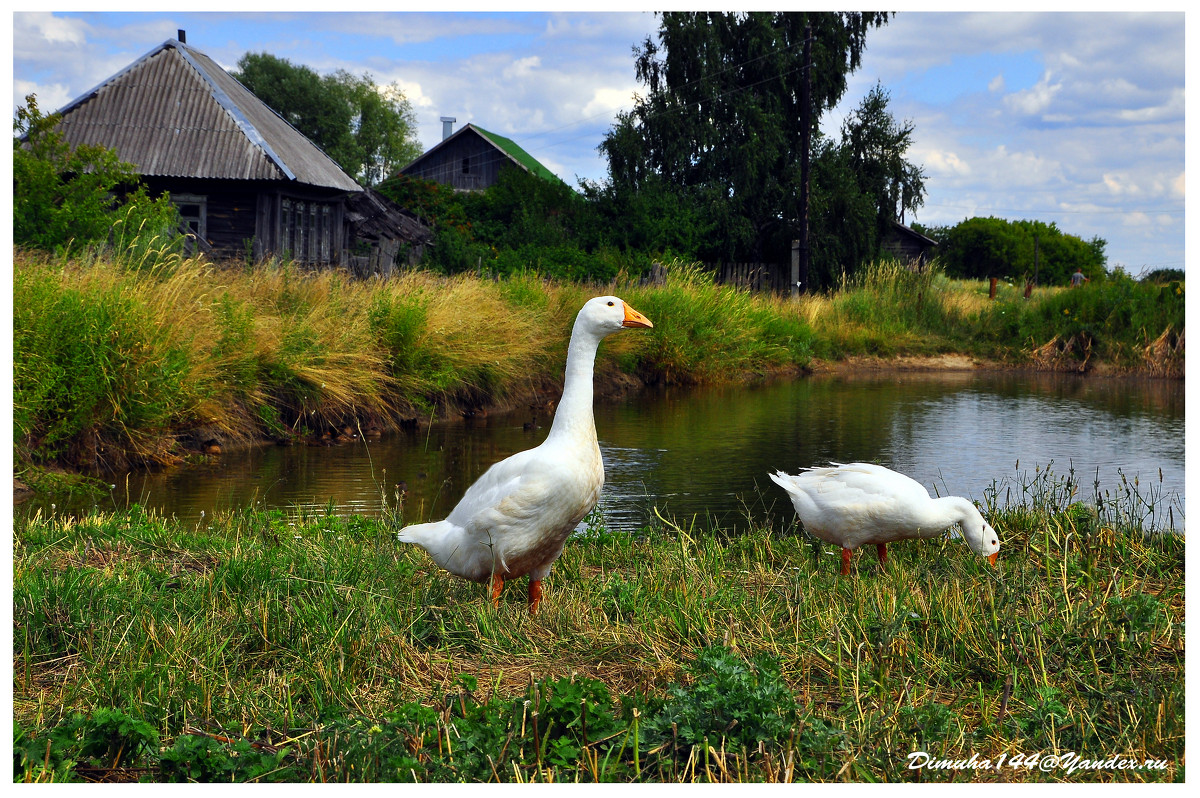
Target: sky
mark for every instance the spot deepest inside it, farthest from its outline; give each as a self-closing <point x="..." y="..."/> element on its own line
<point x="1072" y="118"/>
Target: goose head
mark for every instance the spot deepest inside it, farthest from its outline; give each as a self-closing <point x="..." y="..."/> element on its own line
<point x="608" y="314"/>
<point x="979" y="535"/>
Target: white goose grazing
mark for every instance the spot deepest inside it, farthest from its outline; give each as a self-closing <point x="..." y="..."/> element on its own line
<point x="860" y="503"/>
<point x="515" y="519"/>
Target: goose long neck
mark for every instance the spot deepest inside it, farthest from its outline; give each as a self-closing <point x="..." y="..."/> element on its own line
<point x="574" y="414"/>
<point x="953" y="510"/>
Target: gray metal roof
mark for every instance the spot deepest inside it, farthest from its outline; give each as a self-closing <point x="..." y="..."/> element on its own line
<point x="175" y="113"/>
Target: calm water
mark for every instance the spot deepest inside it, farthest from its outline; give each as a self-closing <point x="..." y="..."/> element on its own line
<point x="705" y="453"/>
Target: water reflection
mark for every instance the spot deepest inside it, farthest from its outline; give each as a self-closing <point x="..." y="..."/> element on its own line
<point x="705" y="453"/>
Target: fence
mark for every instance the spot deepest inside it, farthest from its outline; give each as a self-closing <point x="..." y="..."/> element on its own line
<point x="777" y="278"/>
<point x="756" y="277"/>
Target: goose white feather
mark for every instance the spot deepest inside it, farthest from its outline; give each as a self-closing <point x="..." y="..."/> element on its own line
<point x="861" y="503"/>
<point x="515" y="519"/>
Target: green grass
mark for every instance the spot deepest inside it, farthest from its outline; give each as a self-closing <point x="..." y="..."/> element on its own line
<point x="280" y="647"/>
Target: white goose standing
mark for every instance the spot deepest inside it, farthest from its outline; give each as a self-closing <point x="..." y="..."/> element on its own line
<point x="861" y="503"/>
<point x="516" y="517"/>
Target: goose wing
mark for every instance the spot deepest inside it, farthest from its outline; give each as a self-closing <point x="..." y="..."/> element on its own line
<point x="528" y="501"/>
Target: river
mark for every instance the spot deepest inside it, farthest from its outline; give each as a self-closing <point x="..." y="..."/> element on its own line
<point x="701" y="456"/>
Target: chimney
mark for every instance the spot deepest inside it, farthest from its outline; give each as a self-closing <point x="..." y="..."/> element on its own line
<point x="447" y="126"/>
<point x="181" y="34"/>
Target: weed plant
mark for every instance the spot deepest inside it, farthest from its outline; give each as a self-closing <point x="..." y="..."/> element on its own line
<point x="271" y="646"/>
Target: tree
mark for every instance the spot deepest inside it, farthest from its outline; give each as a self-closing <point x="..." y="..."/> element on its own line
<point x="859" y="186"/>
<point x="980" y="247"/>
<point x="299" y="95"/>
<point x="877" y="145"/>
<point x="843" y="218"/>
<point x="60" y="194"/>
<point x="383" y="127"/>
<point x="992" y="247"/>
<point x="722" y="122"/>
<point x="370" y="131"/>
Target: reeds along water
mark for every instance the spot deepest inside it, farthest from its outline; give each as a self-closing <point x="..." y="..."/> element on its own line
<point x="113" y="356"/>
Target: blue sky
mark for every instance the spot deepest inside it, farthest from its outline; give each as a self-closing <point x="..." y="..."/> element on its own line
<point x="1071" y="118"/>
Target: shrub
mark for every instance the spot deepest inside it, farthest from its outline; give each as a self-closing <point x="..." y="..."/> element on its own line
<point x="63" y="195"/>
<point x="732" y="699"/>
<point x="195" y="758"/>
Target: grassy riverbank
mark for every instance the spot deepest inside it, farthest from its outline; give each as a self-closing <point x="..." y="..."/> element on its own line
<point x="267" y="646"/>
<point x="143" y="360"/>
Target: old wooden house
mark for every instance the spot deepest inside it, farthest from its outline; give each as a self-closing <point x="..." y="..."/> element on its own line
<point x="245" y="181"/>
<point x="470" y="159"/>
<point x="907" y="245"/>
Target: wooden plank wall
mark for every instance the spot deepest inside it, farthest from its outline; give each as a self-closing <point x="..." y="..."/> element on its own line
<point x="756" y="277"/>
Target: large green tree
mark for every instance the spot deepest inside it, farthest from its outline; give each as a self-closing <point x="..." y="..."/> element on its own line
<point x="990" y="247"/>
<point x="369" y="130"/>
<point x="877" y="145"/>
<point x="723" y="119"/>
<point x="860" y="185"/>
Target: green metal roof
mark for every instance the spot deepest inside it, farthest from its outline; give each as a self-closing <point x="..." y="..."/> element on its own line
<point x="514" y="151"/>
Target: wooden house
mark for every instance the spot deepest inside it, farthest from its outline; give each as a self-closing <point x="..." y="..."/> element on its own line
<point x="907" y="245"/>
<point x="470" y="159"/>
<point x="245" y="181"/>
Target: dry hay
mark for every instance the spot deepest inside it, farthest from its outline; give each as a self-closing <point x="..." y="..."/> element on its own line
<point x="1164" y="356"/>
<point x="1064" y="353"/>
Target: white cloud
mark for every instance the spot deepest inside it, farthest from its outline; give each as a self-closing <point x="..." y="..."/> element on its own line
<point x="607" y="101"/>
<point x="419" y="27"/>
<point x="1036" y="100"/>
<point x="44" y="26"/>
<point x="522" y="68"/>
<point x="49" y="97"/>
<point x="941" y="163"/>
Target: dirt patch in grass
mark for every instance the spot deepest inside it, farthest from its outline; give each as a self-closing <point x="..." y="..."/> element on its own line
<point x="939" y="363"/>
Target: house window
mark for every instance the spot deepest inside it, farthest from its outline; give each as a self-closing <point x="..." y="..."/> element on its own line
<point x="193" y="217"/>
<point x="466" y="166"/>
<point x="306" y="231"/>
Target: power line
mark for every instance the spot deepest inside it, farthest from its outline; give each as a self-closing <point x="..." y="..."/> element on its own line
<point x="1055" y="211"/>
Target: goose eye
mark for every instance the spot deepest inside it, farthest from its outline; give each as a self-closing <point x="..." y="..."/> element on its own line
<point x="610" y="304"/>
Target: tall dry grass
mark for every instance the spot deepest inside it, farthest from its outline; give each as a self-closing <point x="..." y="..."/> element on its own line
<point x="117" y="356"/>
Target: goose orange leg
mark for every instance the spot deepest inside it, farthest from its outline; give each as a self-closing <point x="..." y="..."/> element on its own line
<point x="497" y="586"/>
<point x="535" y="595"/>
<point x="881" y="549"/>
<point x="846" y="561"/>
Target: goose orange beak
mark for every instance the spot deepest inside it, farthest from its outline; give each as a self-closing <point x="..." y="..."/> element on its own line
<point x="992" y="558"/>
<point x="635" y="319"/>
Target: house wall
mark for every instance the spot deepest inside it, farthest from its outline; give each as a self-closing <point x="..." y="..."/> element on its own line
<point x="467" y="163"/>
<point x="246" y="217"/>
<point x="904" y="247"/>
